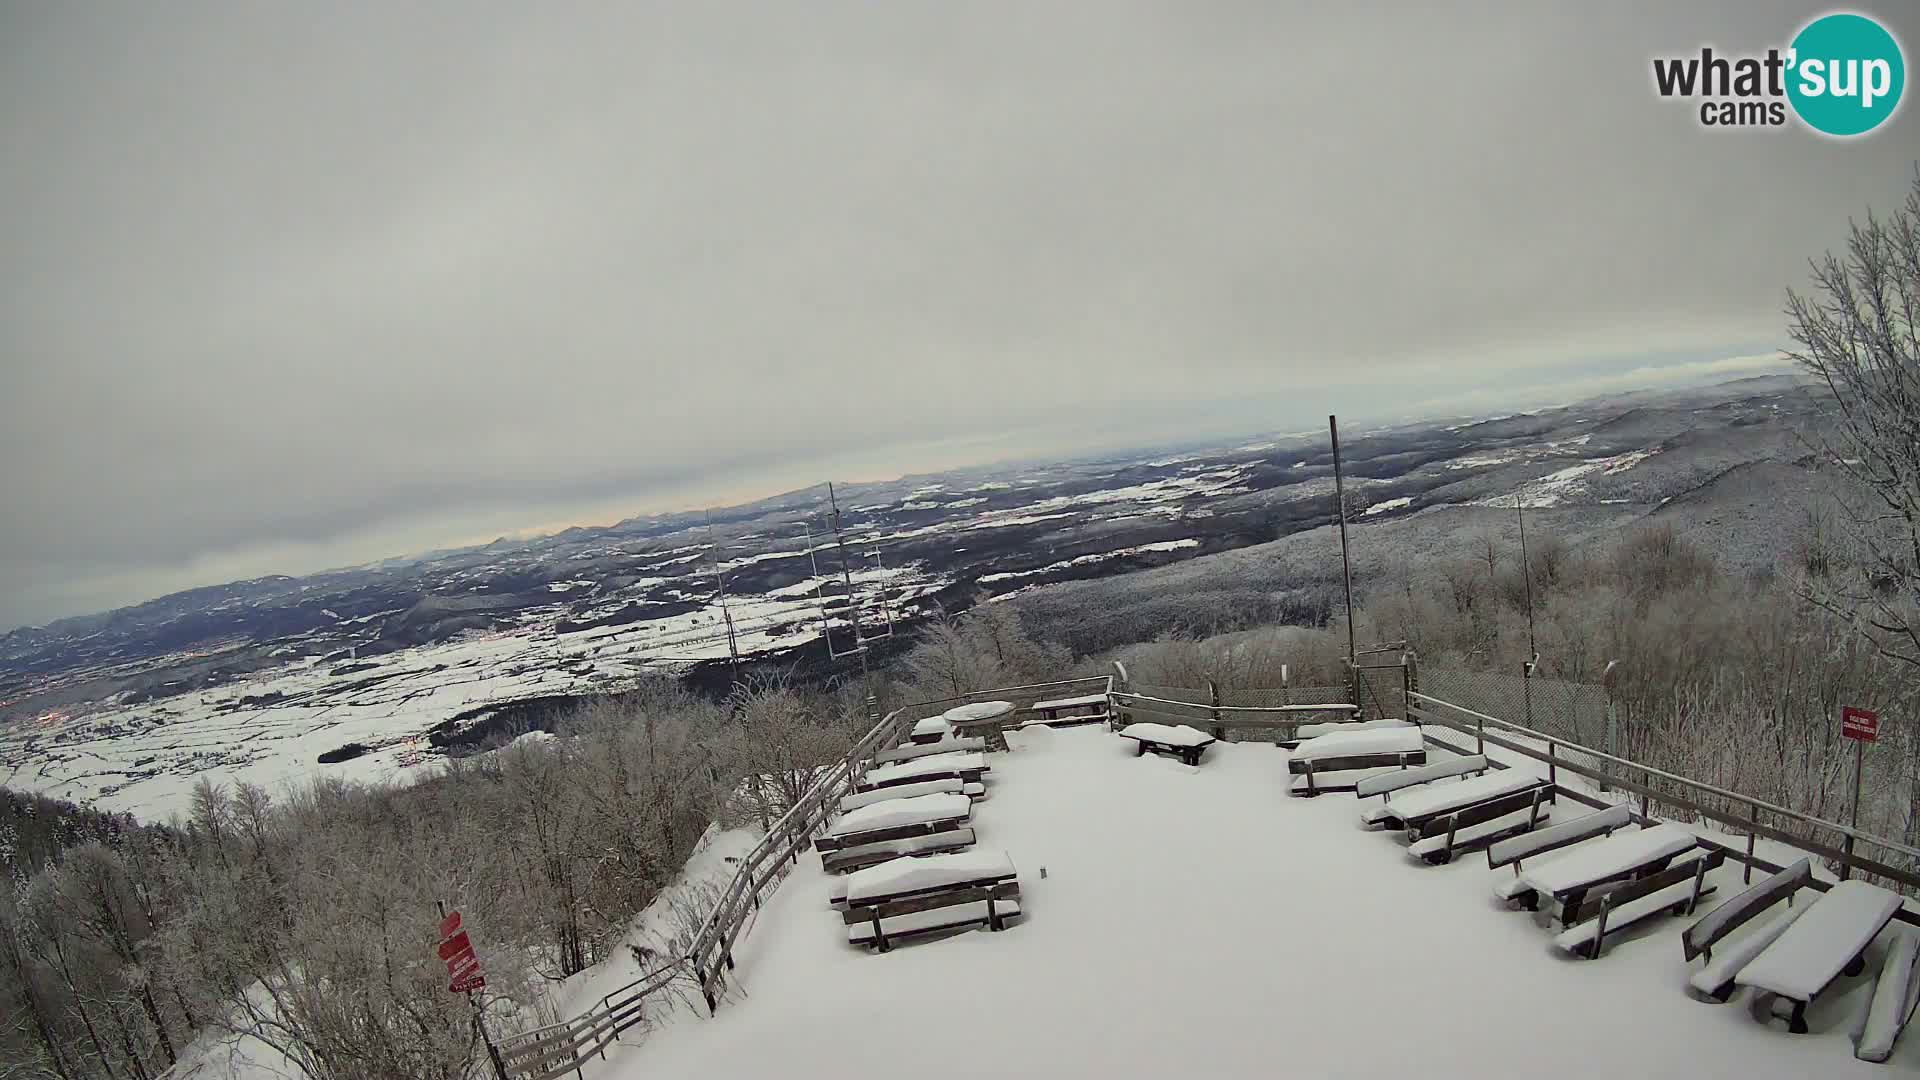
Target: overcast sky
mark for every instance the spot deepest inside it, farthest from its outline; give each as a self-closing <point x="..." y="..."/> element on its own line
<point x="286" y="286"/>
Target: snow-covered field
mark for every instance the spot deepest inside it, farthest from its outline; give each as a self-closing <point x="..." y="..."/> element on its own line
<point x="1198" y="922"/>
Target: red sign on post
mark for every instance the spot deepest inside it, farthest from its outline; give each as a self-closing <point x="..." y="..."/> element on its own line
<point x="1859" y="724"/>
<point x="463" y="966"/>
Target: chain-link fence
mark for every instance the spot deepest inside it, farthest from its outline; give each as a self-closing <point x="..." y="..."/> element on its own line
<point x="1573" y="711"/>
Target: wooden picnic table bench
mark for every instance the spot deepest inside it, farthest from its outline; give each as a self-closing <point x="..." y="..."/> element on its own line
<point x="1084" y="709"/>
<point x="911" y="897"/>
<point x="1175" y="740"/>
<point x="896" y="819"/>
<point x="969" y="767"/>
<point x="1515" y="850"/>
<point x="1313" y="731"/>
<point x="945" y="786"/>
<point x="1606" y="885"/>
<point x="860" y="856"/>
<point x="1895" y="994"/>
<point x="915" y="751"/>
<point x="932" y="729"/>
<point x="1362" y="748"/>
<point x="1436" y="838"/>
<point x="985" y="719"/>
<point x="1413" y="807"/>
<point x="1828" y="940"/>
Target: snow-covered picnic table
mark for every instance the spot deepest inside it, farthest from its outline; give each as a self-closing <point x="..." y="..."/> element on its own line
<point x="1401" y="738"/>
<point x="967" y="766"/>
<point x="1083" y="709"/>
<point x="1405" y="808"/>
<point x="1604" y="860"/>
<point x="934" y="893"/>
<point x="1179" y="740"/>
<point x="983" y="718"/>
<point x="927" y="873"/>
<point x="893" y="814"/>
<point x="930" y="730"/>
<point x="1831" y="936"/>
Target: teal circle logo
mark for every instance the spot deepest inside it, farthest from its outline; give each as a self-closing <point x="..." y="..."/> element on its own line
<point x="1845" y="75"/>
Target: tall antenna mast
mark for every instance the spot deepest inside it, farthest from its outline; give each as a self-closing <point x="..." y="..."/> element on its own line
<point x="853" y="606"/>
<point x="846" y="570"/>
<point x="1346" y="561"/>
<point x="886" y="610"/>
<point x="726" y="613"/>
<point x="1526" y="575"/>
<point x="819" y="594"/>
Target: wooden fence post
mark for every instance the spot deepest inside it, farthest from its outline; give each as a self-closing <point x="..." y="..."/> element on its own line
<point x="1213" y="696"/>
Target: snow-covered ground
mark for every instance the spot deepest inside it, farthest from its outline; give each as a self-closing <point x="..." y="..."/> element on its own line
<point x="1199" y="922"/>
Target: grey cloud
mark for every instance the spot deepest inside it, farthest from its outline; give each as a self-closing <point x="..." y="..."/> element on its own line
<point x="302" y="281"/>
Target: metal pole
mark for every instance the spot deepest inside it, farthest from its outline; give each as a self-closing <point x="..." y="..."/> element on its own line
<point x="720" y="587"/>
<point x="1346" y="561"/>
<point x="1846" y="867"/>
<point x="853" y="608"/>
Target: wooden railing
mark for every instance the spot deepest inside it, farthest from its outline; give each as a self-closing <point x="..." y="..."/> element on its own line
<point x="552" y="1051"/>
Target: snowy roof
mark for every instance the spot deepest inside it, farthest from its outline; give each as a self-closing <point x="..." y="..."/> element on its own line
<point x="1170" y="734"/>
<point x="917" y="872"/>
<point x="931" y="765"/>
<point x="1814" y="949"/>
<point x="1599" y="859"/>
<point x="1387" y="740"/>
<point x="892" y="813"/>
<point x="1443" y="795"/>
<point x="979" y="710"/>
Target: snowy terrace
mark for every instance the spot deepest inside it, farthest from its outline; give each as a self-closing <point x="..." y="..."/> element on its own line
<point x="1187" y="921"/>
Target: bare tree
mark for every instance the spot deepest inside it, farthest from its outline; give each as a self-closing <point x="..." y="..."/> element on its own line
<point x="1858" y="332"/>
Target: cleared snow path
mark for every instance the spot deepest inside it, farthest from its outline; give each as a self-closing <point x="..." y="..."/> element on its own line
<point x="1199" y="923"/>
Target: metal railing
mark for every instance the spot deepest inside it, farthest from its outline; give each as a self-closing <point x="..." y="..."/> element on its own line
<point x="554" y="1050"/>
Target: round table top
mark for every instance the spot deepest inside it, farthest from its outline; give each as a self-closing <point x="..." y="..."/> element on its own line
<point x="977" y="712"/>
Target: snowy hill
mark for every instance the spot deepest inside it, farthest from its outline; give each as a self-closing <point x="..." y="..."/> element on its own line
<point x="1199" y="922"/>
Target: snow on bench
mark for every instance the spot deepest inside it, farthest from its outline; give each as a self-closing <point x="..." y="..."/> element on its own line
<point x="1349" y="752"/>
<point x="897" y="817"/>
<point x="1179" y="740"/>
<point x="1599" y="861"/>
<point x="1085" y="709"/>
<point x="912" y="873"/>
<point x="1895" y="993"/>
<point x="930" y="730"/>
<point x="860" y="856"/>
<point x="1698" y="939"/>
<point x="1499" y="820"/>
<point x="937" y="892"/>
<point x="944" y="786"/>
<point x="1366" y="742"/>
<point x="1715" y="980"/>
<point x="975" y="711"/>
<point x="1677" y="888"/>
<point x="1382" y="783"/>
<point x="967" y="766"/>
<point x="1405" y="808"/>
<point x="1562" y="835"/>
<point x="1831" y="937"/>
<point x="1314" y="731"/>
<point x="915" y="751"/>
<point x="924" y="873"/>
